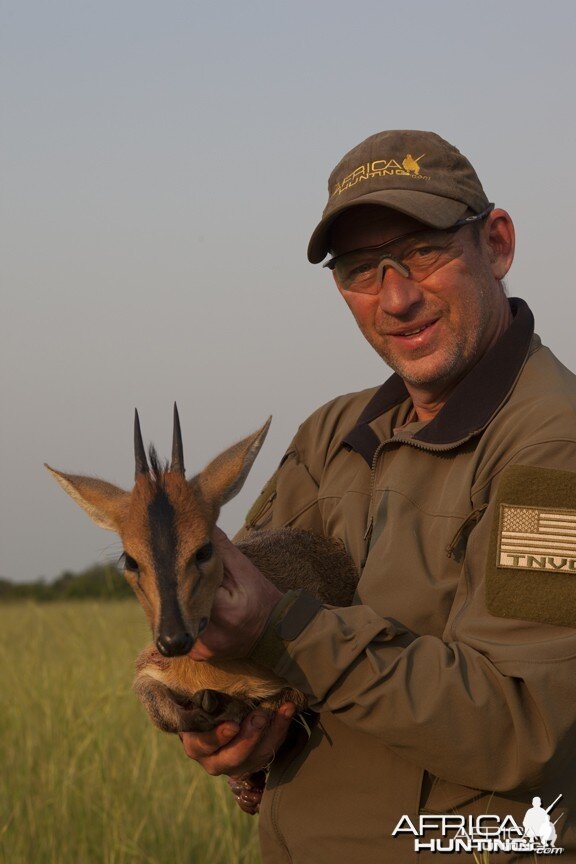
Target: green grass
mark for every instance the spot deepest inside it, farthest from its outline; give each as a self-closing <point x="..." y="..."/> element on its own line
<point x="84" y="776"/>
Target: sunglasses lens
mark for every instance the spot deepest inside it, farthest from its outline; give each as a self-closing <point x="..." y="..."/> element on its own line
<point x="363" y="271"/>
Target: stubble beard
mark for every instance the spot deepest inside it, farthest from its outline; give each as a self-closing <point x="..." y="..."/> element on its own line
<point x="459" y="353"/>
<point x="449" y="368"/>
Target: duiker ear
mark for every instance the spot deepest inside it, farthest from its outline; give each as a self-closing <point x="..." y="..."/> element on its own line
<point x="223" y="478"/>
<point x="104" y="503"/>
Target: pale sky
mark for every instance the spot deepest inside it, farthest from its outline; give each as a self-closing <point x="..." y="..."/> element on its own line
<point x="163" y="167"/>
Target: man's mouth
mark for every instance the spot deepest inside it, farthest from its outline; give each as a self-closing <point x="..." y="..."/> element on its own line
<point x="414" y="331"/>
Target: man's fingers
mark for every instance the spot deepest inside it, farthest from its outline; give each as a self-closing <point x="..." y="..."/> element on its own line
<point x="237" y="751"/>
<point x="286" y="710"/>
<point x="252" y="783"/>
<point x="255" y="745"/>
<point x="249" y="802"/>
<point x="275" y="734"/>
<point x="198" y="745"/>
<point x="232" y="758"/>
<point x="227" y="551"/>
<point x="248" y="792"/>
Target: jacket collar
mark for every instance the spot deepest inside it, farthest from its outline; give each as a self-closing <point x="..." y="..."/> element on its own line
<point x="472" y="403"/>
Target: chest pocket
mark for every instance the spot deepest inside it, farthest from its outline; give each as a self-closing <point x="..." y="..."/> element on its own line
<point x="289" y="499"/>
<point x="456" y="549"/>
<point x="415" y="561"/>
<point x="344" y="502"/>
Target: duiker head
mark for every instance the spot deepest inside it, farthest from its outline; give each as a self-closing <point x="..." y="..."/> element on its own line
<point x="166" y="524"/>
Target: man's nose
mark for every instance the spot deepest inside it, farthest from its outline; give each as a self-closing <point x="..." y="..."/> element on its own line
<point x="398" y="293"/>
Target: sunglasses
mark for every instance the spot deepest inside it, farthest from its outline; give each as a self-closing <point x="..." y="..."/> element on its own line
<point x="415" y="256"/>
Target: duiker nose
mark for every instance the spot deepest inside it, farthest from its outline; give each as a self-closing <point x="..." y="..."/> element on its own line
<point x="175" y="644"/>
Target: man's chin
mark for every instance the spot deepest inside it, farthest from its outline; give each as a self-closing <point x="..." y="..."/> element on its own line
<point x="429" y="371"/>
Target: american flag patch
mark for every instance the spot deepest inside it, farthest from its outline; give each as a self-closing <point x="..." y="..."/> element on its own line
<point x="534" y="539"/>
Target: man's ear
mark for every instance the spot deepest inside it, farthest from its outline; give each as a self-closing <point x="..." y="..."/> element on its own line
<point x="501" y="239"/>
<point x="105" y="504"/>
<point x="224" y="477"/>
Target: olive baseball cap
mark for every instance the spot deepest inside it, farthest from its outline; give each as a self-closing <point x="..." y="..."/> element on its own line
<point x="416" y="173"/>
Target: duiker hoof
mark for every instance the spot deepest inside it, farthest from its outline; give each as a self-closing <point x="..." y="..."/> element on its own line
<point x="210" y="708"/>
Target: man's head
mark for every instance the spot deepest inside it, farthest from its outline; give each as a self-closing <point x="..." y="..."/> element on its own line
<point x="441" y="253"/>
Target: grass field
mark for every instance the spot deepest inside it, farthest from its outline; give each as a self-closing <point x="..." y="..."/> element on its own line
<point x="84" y="776"/>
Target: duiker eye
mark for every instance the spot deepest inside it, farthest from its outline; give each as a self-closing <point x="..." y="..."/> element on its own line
<point x="130" y="563"/>
<point x="204" y="553"/>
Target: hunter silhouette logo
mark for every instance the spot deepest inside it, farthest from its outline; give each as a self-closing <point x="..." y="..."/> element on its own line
<point x="407" y="167"/>
<point x="538" y="826"/>
<point x="486" y="833"/>
<point x="411" y="165"/>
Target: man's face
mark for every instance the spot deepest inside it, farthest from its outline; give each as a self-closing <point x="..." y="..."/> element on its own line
<point x="456" y="311"/>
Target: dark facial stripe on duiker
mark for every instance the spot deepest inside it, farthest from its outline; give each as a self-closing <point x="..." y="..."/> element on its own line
<point x="163" y="542"/>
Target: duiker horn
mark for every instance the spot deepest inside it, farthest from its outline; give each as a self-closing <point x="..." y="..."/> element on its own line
<point x="177" y="463"/>
<point x="139" y="451"/>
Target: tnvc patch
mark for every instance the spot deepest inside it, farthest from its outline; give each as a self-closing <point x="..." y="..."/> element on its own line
<point x="533" y="538"/>
<point x="531" y="561"/>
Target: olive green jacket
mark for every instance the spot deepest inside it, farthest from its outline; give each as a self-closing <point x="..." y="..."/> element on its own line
<point x="450" y="684"/>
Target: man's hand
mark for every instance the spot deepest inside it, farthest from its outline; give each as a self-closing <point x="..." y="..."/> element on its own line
<point x="248" y="793"/>
<point x="239" y="614"/>
<point x="241" y="607"/>
<point x="240" y="751"/>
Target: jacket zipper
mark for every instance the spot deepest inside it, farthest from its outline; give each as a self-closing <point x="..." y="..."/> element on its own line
<point x="370" y="523"/>
<point x="469" y="523"/>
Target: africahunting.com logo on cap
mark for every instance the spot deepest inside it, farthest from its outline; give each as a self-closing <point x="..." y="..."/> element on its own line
<point x="485" y="833"/>
<point x="407" y="167"/>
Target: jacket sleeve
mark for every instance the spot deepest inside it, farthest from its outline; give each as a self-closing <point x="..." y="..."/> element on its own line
<point x="502" y="679"/>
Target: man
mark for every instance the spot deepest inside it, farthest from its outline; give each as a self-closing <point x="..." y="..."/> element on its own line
<point x="450" y="686"/>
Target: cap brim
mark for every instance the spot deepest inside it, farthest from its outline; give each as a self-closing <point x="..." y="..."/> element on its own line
<point x="430" y="209"/>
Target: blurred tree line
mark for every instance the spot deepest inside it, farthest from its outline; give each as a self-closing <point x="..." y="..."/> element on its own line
<point x="99" y="582"/>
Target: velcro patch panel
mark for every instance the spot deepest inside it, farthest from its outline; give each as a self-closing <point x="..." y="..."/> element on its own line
<point x="531" y="567"/>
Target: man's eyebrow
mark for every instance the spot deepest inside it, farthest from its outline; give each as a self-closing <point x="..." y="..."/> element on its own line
<point x="418" y="237"/>
<point x="425" y="236"/>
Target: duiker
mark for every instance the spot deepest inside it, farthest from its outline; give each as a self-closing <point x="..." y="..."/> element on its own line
<point x="166" y="525"/>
